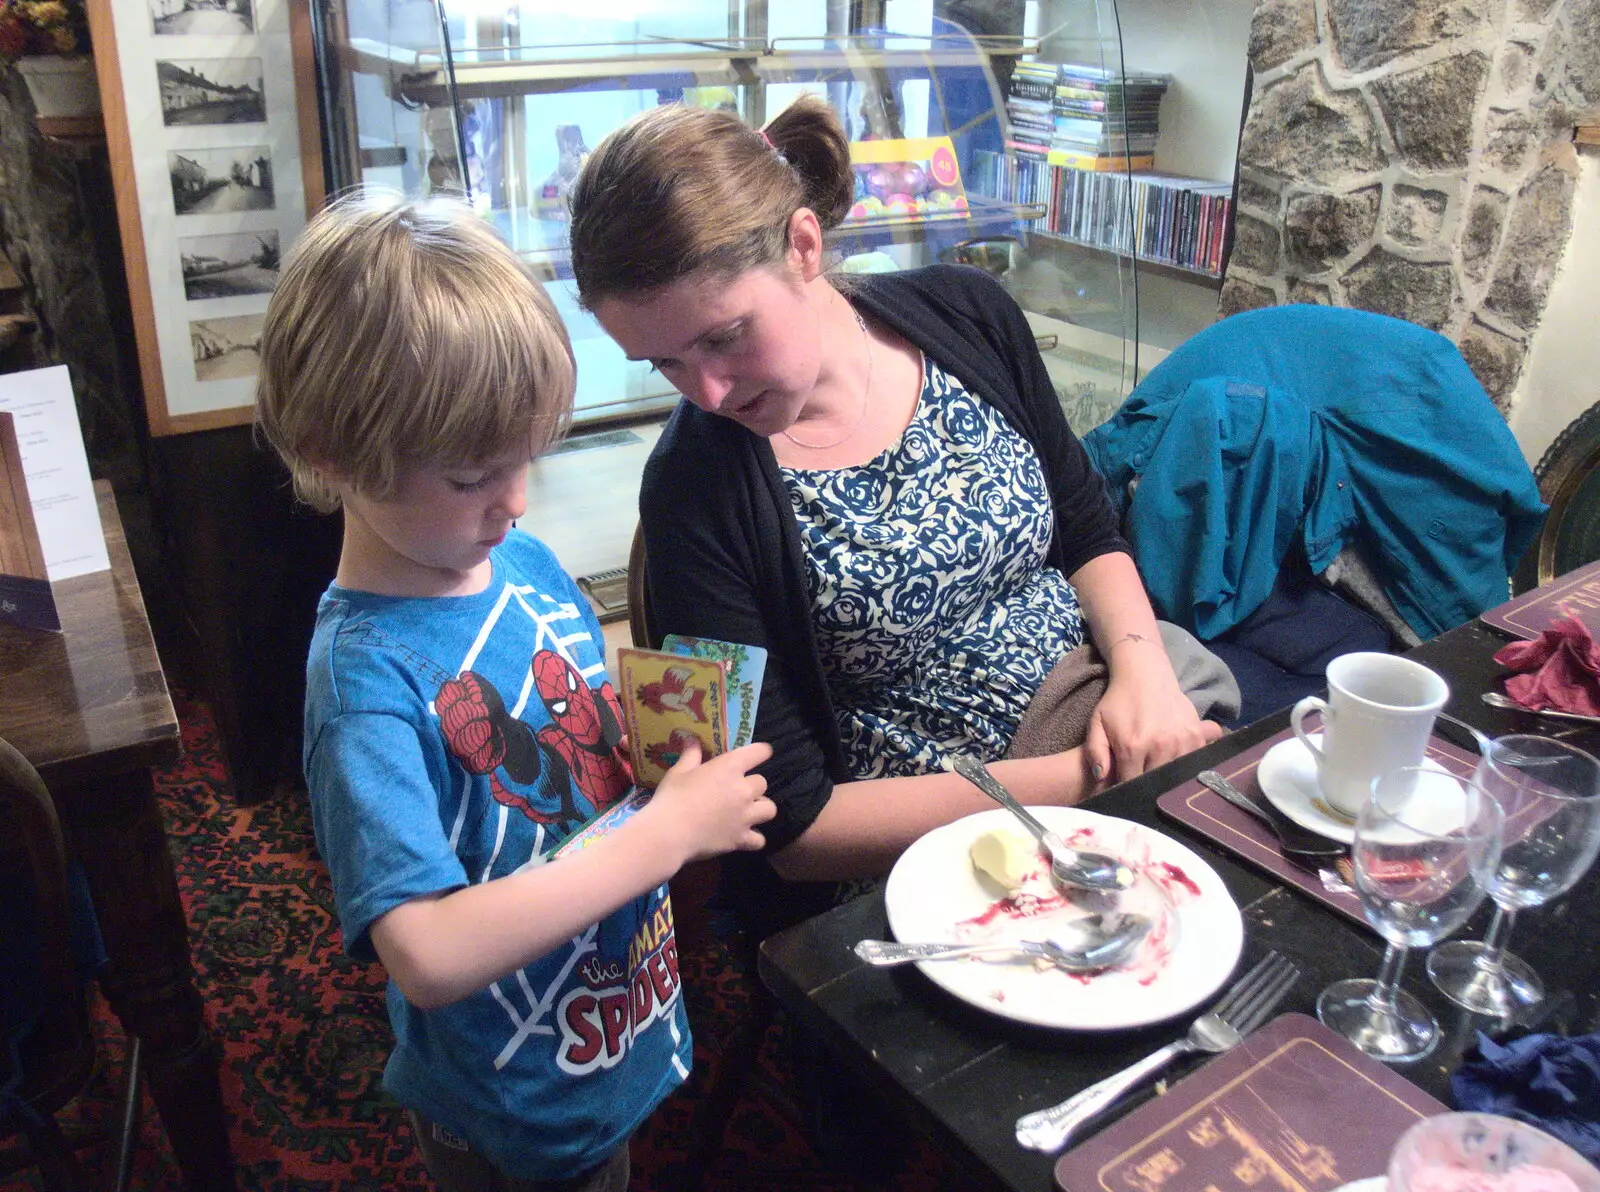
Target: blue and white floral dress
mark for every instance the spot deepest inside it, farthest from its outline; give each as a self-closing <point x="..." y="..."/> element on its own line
<point x="935" y="614"/>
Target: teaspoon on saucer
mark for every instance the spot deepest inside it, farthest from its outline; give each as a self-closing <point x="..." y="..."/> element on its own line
<point x="1301" y="846"/>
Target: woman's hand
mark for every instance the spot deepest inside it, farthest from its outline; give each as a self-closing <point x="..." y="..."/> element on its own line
<point x="1144" y="720"/>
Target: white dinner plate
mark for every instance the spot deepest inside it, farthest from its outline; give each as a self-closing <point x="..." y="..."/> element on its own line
<point x="933" y="893"/>
<point x="1287" y="775"/>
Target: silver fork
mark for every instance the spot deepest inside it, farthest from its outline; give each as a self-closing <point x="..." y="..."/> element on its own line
<point x="1247" y="1004"/>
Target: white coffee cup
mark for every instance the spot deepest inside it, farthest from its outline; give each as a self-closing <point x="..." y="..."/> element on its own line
<point x="1377" y="717"/>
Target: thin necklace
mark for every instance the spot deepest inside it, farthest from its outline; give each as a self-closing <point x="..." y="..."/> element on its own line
<point x="865" y="393"/>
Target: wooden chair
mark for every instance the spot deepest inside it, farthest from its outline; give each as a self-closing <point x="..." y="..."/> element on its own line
<point x="1569" y="481"/>
<point x="638" y="616"/>
<point x="733" y="1070"/>
<point x="54" y="1056"/>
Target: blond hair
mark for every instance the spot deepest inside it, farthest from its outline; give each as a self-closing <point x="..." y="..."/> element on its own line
<point x="406" y="332"/>
<point x="681" y="190"/>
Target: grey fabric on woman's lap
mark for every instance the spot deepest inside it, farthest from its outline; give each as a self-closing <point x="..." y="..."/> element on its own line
<point x="1058" y="716"/>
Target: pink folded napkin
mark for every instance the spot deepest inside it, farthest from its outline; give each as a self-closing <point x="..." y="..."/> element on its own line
<point x="1559" y="669"/>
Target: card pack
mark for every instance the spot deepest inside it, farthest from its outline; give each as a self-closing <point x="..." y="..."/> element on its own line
<point x="692" y="685"/>
<point x="669" y="700"/>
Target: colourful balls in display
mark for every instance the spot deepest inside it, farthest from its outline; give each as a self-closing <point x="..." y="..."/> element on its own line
<point x="880" y="181"/>
<point x="896" y="178"/>
<point x="908" y="189"/>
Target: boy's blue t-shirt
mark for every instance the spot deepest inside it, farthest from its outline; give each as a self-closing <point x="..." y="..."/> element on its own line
<point x="456" y="740"/>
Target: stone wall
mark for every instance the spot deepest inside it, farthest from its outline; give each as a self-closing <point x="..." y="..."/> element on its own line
<point x="1415" y="158"/>
<point x="58" y="229"/>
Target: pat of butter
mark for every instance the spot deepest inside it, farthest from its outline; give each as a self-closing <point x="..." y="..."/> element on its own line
<point x="1005" y="857"/>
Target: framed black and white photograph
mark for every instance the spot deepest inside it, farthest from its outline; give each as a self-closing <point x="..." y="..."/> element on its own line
<point x="226" y="349"/>
<point x="212" y="91"/>
<point x="211" y="125"/>
<point x="202" y="18"/>
<point x="229" y="266"/>
<point x="221" y="181"/>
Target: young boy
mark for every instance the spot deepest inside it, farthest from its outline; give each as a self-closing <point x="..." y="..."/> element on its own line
<point x="459" y="724"/>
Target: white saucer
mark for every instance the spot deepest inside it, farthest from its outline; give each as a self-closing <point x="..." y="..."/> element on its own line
<point x="1288" y="777"/>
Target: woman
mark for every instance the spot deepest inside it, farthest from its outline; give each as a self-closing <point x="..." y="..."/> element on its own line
<point x="875" y="483"/>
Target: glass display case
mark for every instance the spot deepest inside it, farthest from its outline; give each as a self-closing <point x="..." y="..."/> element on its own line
<point x="1083" y="154"/>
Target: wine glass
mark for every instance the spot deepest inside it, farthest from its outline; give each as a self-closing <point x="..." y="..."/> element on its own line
<point x="1549" y="793"/>
<point x="1425" y="843"/>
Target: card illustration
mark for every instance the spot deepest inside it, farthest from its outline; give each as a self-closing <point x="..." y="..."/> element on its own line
<point x="673" y="693"/>
<point x="669" y="700"/>
<point x="745" y="664"/>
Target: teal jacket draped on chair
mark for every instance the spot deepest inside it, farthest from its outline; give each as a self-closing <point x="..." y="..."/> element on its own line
<point x="1326" y="425"/>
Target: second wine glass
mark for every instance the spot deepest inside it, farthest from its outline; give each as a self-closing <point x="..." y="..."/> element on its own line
<point x="1425" y="843"/>
<point x="1549" y="793"/>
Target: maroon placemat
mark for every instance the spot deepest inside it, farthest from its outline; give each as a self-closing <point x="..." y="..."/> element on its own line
<point x="1575" y="594"/>
<point x="1293" y="1106"/>
<point x="1245" y="836"/>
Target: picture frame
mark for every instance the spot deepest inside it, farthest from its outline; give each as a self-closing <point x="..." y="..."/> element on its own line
<point x="212" y="132"/>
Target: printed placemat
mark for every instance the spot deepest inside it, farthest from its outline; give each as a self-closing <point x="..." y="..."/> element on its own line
<point x="1246" y="836"/>
<point x="1575" y="594"/>
<point x="1294" y="1108"/>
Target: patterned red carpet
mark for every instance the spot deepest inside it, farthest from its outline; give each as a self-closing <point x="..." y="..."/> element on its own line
<point x="304" y="1031"/>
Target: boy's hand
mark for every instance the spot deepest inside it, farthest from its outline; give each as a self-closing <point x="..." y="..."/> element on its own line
<point x="713" y="807"/>
<point x="623" y="752"/>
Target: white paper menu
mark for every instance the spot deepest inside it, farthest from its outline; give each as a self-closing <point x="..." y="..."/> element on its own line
<point x="56" y="465"/>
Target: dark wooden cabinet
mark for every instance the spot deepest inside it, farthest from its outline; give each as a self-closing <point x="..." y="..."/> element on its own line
<point x="250" y="563"/>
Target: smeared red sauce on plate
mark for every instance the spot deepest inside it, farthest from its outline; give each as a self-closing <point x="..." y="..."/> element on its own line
<point x="1167" y="881"/>
<point x="1170" y="875"/>
<point x="1021" y="905"/>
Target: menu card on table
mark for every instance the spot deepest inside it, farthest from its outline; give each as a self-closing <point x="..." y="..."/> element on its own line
<point x="1294" y="1108"/>
<point x="1575" y="594"/>
<point x="25" y="595"/>
<point x="1246" y="836"/>
<point x="49" y="522"/>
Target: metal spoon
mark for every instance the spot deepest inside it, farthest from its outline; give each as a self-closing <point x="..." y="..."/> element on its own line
<point x="1300" y="846"/>
<point x="1480" y="739"/>
<point x="1087" y="944"/>
<point x="1495" y="700"/>
<point x="1088" y="871"/>
<point x="1509" y="756"/>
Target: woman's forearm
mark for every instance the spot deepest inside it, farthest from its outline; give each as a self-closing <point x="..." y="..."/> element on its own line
<point x="1117" y="610"/>
<point x="1143" y="719"/>
<point x="867" y="824"/>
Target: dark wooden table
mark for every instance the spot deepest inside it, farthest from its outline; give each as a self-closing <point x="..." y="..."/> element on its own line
<point x="89" y="708"/>
<point x="963" y="1076"/>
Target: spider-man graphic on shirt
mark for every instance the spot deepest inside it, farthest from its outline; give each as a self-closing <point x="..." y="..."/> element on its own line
<point x="578" y="745"/>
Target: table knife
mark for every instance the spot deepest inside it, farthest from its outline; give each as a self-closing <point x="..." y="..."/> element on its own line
<point x="1299" y="845"/>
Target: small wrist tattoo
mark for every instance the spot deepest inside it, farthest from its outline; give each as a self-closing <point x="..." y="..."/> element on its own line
<point x="1127" y="637"/>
